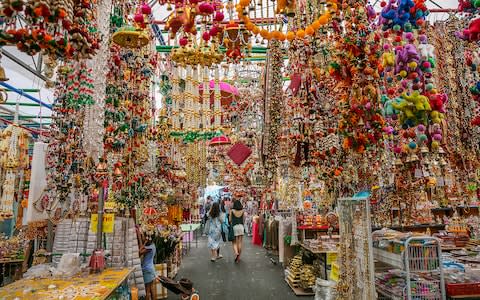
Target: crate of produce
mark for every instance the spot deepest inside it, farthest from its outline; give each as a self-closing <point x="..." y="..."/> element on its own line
<point x="463" y="289"/>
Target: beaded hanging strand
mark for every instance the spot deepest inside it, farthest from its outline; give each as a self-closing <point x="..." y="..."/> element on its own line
<point x="175" y="95"/>
<point x="216" y="96"/>
<point x="206" y="98"/>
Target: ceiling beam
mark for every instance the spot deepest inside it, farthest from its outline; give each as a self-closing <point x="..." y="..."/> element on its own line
<point x="23" y="64"/>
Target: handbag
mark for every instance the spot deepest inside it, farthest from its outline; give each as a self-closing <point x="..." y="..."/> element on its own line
<point x="231" y="235"/>
<point x="224" y="237"/>
<point x="224" y="227"/>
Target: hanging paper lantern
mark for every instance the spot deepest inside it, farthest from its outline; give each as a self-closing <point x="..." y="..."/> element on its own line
<point x="220" y="140"/>
<point x="130" y="38"/>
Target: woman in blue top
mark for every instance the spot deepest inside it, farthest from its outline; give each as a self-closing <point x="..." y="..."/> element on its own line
<point x="148" y="268"/>
<point x="214" y="232"/>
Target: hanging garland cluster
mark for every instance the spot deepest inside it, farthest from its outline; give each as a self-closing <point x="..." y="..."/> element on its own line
<point x="331" y="8"/>
<point x="63" y="29"/>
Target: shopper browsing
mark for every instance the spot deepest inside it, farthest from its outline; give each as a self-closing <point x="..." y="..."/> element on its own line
<point x="236" y="221"/>
<point x="214" y="231"/>
<point x="148" y="251"/>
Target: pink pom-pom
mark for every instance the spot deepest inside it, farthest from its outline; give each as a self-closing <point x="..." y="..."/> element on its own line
<point x="146" y="9"/>
<point x="421" y="128"/>
<point x="397" y="149"/>
<point x="437" y="137"/>
<point x="138" y="18"/>
<point x="183" y="41"/>
<point x="219" y="16"/>
<point x="205" y="8"/>
<point x="206" y="36"/>
<point x="409" y="36"/>
<point x="214" y="31"/>
<point x="426" y="65"/>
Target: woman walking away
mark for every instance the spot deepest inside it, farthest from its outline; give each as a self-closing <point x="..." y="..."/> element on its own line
<point x="236" y="220"/>
<point x="148" y="252"/>
<point x="214" y="232"/>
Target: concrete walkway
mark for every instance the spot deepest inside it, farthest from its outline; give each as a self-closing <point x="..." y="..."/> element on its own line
<point x="254" y="278"/>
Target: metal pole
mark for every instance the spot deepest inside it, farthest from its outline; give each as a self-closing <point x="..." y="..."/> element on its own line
<point x="100" y="214"/>
<point x="21" y="93"/>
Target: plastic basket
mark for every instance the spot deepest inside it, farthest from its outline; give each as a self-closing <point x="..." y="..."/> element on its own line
<point x="463" y="289"/>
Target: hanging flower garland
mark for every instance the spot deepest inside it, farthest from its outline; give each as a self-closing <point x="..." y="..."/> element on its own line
<point x="331" y="8"/>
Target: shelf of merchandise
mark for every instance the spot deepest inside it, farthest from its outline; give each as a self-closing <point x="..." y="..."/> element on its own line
<point x="383" y="291"/>
<point x="422" y="255"/>
<point x="435" y="227"/>
<point x="389" y="258"/>
<point x="317" y="251"/>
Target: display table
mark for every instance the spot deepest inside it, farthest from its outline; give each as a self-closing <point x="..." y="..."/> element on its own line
<point x="81" y="287"/>
<point x="191" y="229"/>
<point x="9" y="270"/>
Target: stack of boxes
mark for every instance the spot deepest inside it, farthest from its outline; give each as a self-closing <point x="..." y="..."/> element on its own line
<point x="74" y="236"/>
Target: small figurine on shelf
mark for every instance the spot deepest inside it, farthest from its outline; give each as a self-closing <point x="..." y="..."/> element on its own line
<point x="97" y="261"/>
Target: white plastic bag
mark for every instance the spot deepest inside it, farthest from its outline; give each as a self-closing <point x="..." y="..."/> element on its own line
<point x="68" y="266"/>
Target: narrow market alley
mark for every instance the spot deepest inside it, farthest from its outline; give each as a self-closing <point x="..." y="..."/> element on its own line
<point x="254" y="277"/>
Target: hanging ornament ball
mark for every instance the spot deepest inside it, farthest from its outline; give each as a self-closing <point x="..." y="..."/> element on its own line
<point x="206" y="8"/>
<point x="183" y="41"/>
<point x="403" y="73"/>
<point x="437" y="137"/>
<point x="429" y="86"/>
<point x="397" y="149"/>
<point x="422" y="137"/>
<point x="214" y="31"/>
<point x="309" y="31"/>
<point x="219" y="16"/>
<point x="300" y="34"/>
<point x="138" y="18"/>
<point x="244" y="3"/>
<point x="206" y="36"/>
<point x="146" y="9"/>
<point x="397" y="27"/>
<point x="435" y="144"/>
<point x="421" y="128"/>
<point x="290" y="36"/>
<point x="413" y="65"/>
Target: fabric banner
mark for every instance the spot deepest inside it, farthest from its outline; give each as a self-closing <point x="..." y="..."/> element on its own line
<point x="38" y="183"/>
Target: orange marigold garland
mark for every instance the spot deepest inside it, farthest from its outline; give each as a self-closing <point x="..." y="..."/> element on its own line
<point x="331" y="8"/>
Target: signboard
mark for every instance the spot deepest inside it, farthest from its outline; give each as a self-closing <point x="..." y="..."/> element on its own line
<point x="108" y="221"/>
<point x="331" y="258"/>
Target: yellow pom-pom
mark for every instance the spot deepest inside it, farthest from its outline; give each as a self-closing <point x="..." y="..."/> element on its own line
<point x="309" y="30"/>
<point x="290" y="36"/>
<point x="276" y="35"/>
<point x="316" y="24"/>
<point x="244" y="3"/>
<point x="282" y="36"/>
<point x="323" y="19"/>
<point x="403" y="73"/>
<point x="413" y="65"/>
<point x="300" y="34"/>
<point x="264" y="33"/>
